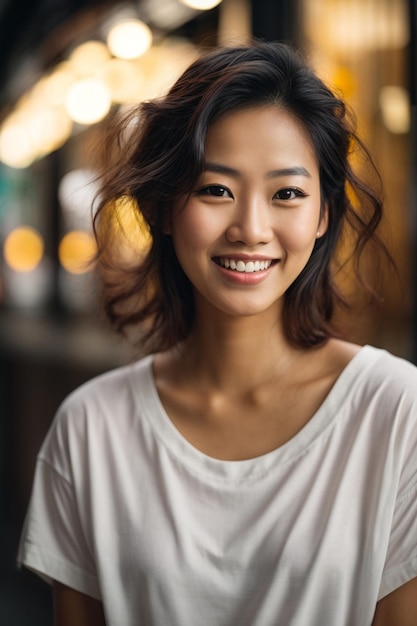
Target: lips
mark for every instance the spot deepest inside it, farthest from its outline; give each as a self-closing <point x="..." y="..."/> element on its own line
<point x="243" y="266"/>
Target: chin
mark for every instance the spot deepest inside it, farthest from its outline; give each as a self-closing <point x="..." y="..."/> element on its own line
<point x="246" y="309"/>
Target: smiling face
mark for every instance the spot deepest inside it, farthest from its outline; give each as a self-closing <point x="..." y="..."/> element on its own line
<point x="251" y="222"/>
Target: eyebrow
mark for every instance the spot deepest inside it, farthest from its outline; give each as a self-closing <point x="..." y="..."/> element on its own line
<point x="230" y="171"/>
<point x="289" y="171"/>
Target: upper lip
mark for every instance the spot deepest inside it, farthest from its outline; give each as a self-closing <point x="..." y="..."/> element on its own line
<point x="244" y="257"/>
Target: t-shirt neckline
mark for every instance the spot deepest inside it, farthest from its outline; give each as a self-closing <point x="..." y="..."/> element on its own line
<point x="152" y="409"/>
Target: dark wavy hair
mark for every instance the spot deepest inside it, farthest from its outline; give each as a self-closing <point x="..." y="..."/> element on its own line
<point x="157" y="156"/>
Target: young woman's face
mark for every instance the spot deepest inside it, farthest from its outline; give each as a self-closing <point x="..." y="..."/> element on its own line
<point x="251" y="222"/>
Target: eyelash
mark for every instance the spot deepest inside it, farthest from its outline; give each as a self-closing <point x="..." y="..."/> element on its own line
<point x="292" y="190"/>
<point x="208" y="191"/>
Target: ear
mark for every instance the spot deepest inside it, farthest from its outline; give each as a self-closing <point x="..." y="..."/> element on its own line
<point x="324" y="221"/>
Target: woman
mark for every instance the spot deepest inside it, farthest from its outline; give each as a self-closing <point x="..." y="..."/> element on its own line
<point x="252" y="469"/>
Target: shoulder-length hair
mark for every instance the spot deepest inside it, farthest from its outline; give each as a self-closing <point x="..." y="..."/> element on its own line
<point x="160" y="155"/>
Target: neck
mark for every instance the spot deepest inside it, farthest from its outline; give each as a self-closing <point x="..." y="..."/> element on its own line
<point x="236" y="352"/>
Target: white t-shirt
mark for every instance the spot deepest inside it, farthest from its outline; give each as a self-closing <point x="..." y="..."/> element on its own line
<point x="314" y="533"/>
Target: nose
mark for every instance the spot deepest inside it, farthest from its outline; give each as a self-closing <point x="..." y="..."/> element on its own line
<point x="251" y="223"/>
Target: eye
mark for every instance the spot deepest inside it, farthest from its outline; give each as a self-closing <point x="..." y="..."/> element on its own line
<point x="289" y="193"/>
<point x="217" y="191"/>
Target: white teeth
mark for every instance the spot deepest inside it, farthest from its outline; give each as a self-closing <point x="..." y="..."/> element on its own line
<point x="241" y="266"/>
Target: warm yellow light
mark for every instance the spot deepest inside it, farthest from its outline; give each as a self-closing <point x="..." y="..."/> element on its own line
<point x="48" y="128"/>
<point x="395" y="108"/>
<point x="88" y="101"/>
<point x="33" y="131"/>
<point x="58" y="83"/>
<point x="162" y="64"/>
<point x="60" y="129"/>
<point x="23" y="249"/>
<point x="124" y="80"/>
<point x="354" y="26"/>
<point x="76" y="252"/>
<point x="343" y="78"/>
<point x="89" y="57"/>
<point x="51" y="89"/>
<point x="132" y="223"/>
<point x="201" y="5"/>
<point x="129" y="233"/>
<point x="129" y="39"/>
<point x="16" y="148"/>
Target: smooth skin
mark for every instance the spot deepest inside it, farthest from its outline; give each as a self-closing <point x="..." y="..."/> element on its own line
<point x="257" y="201"/>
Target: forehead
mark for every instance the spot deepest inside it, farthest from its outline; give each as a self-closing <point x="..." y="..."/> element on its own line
<point x="267" y="132"/>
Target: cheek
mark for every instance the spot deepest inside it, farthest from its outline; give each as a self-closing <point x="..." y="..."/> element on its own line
<point x="299" y="235"/>
<point x="194" y="228"/>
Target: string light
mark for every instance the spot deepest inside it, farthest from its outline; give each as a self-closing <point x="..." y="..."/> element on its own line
<point x="124" y="80"/>
<point x="82" y="90"/>
<point x="129" y="39"/>
<point x="16" y="149"/>
<point x="88" y="101"/>
<point x="87" y="58"/>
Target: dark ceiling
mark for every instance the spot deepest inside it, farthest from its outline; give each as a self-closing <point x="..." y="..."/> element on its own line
<point x="25" y="25"/>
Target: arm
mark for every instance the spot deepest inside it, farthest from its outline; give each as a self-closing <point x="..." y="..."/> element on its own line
<point x="72" y="608"/>
<point x="398" y="608"/>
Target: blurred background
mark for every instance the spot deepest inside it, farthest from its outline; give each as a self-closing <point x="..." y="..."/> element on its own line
<point x="65" y="67"/>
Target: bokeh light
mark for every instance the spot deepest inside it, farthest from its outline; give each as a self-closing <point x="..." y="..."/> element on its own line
<point x="87" y="58"/>
<point x="201" y="5"/>
<point x="395" y="107"/>
<point x="88" y="101"/>
<point x="16" y="148"/>
<point x="23" y="249"/>
<point x="76" y="252"/>
<point x="57" y="84"/>
<point x="83" y="89"/>
<point x="126" y="230"/>
<point x="129" y="39"/>
<point x="76" y="192"/>
<point x="124" y="79"/>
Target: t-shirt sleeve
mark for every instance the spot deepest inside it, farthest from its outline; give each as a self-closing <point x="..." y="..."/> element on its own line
<point x="401" y="563"/>
<point x="401" y="559"/>
<point x="55" y="540"/>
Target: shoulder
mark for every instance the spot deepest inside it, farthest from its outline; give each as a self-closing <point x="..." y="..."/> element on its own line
<point x="365" y="373"/>
<point x="385" y="400"/>
<point x="376" y="393"/>
<point x="383" y="386"/>
<point x="392" y="374"/>
<point x="376" y="362"/>
<point x="99" y="412"/>
<point x="111" y="389"/>
<point x="370" y="368"/>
